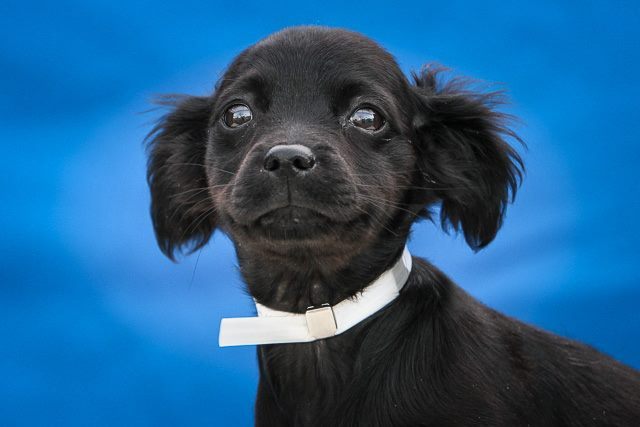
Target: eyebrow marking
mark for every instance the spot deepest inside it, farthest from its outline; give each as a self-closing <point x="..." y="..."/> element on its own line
<point x="252" y="82"/>
<point x="346" y="91"/>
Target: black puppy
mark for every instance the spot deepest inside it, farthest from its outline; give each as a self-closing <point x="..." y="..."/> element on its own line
<point x="316" y="155"/>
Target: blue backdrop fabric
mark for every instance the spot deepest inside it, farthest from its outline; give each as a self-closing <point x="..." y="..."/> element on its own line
<point x="98" y="328"/>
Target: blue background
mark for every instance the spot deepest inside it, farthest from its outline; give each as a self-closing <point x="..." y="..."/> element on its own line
<point x="99" y="328"/>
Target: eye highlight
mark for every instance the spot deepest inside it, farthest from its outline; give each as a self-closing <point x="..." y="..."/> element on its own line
<point x="367" y="119"/>
<point x="237" y="115"/>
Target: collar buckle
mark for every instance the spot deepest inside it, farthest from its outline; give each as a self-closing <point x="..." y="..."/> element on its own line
<point x="321" y="321"/>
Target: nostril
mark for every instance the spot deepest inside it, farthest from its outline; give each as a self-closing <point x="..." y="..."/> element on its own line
<point x="271" y="163"/>
<point x="303" y="162"/>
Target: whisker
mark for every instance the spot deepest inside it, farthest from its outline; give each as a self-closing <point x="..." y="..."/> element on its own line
<point x="388" y="203"/>
<point x="415" y="187"/>
<point x="368" y="215"/>
<point x="195" y="267"/>
<point x="197" y="206"/>
<point x="197" y="221"/>
<point x="197" y="190"/>
<point x="169" y="164"/>
<point x="403" y="173"/>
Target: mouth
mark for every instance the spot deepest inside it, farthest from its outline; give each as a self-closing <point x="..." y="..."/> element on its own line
<point x="301" y="229"/>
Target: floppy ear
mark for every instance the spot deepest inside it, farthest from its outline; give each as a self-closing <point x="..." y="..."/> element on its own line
<point x="464" y="155"/>
<point x="181" y="209"/>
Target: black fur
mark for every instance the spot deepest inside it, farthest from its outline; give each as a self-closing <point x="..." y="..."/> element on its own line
<point x="435" y="356"/>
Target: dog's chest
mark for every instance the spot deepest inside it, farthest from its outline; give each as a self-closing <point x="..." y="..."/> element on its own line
<point x="330" y="382"/>
<point x="309" y="380"/>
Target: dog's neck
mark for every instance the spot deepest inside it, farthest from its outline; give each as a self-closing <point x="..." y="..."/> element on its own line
<point x="302" y="279"/>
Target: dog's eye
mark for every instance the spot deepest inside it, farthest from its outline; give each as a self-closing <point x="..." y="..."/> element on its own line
<point x="367" y="119"/>
<point x="237" y="115"/>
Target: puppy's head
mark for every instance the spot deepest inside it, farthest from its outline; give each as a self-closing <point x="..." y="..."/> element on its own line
<point x="315" y="143"/>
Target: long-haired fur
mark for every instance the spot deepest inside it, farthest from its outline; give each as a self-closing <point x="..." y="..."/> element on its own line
<point x="433" y="357"/>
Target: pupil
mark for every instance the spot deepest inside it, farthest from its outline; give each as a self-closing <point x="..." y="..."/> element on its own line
<point x="237" y="115"/>
<point x="366" y="119"/>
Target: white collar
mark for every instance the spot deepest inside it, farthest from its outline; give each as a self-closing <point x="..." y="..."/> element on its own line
<point x="277" y="327"/>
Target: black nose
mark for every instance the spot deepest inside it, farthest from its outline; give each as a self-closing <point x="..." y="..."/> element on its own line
<point x="291" y="159"/>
